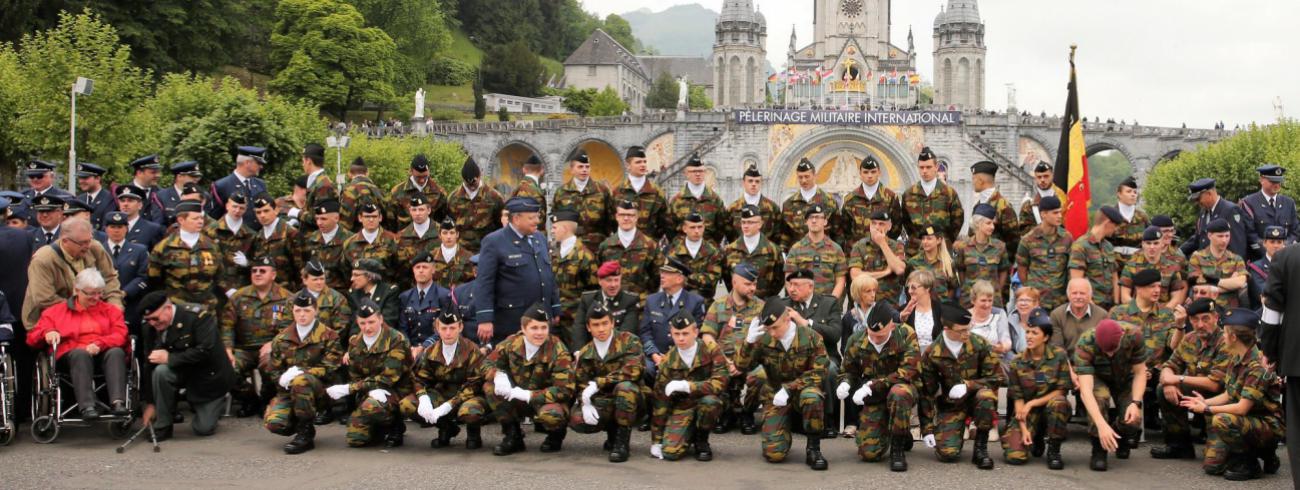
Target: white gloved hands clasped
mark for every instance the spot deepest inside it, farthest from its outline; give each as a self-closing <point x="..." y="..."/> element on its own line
<point x="861" y="395"/>
<point x="677" y="386"/>
<point x="520" y="394"/>
<point x="501" y="384"/>
<point x="781" y="399"/>
<point x="380" y="395"/>
<point x="441" y="412"/>
<point x="425" y="410"/>
<point x="957" y="391"/>
<point x="289" y="374"/>
<point x="337" y="391"/>
<point x="657" y="451"/>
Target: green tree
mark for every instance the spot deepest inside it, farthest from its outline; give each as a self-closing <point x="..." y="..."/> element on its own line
<point x="419" y="29"/>
<point x="619" y="28"/>
<point x="480" y="104"/>
<point x="1105" y="171"/>
<point x="699" y="98"/>
<point x="607" y="103"/>
<point x="579" y="100"/>
<point x="324" y="54"/>
<point x="10" y="151"/>
<point x="503" y="114"/>
<point x="512" y="69"/>
<point x="389" y="159"/>
<point x="663" y="93"/>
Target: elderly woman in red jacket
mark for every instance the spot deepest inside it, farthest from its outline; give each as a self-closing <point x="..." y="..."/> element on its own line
<point x="86" y="329"/>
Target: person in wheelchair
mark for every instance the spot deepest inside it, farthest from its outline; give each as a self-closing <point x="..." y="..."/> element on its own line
<point x="86" y="331"/>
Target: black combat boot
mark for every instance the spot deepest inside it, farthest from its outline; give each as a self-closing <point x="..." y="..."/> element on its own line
<point x="622" y="441"/>
<point x="611" y="435"/>
<point x="747" y="425"/>
<point x="1271" y="462"/>
<point x="703" y="451"/>
<point x="813" y="454"/>
<point x="396" y="433"/>
<point x="980" y="455"/>
<point x="473" y="437"/>
<point x="1037" y="450"/>
<point x="447" y="430"/>
<point x="250" y="406"/>
<point x="1176" y="447"/>
<point x="1054" y="461"/>
<point x="1098" y="461"/>
<point x="1122" y="447"/>
<point x="304" y="440"/>
<point x="1242" y="467"/>
<point x="725" y="422"/>
<point x="554" y="441"/>
<point x="326" y="414"/>
<point x="512" y="440"/>
<point x="898" y="453"/>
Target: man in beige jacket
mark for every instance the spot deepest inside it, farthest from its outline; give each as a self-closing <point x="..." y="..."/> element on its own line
<point x="54" y="268"/>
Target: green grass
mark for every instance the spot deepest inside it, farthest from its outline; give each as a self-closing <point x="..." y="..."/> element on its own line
<point x="464" y="50"/>
<point x="553" y="67"/>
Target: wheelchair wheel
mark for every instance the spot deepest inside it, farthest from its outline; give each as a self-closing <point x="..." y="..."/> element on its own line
<point x="42" y="392"/>
<point x="45" y="429"/>
<point x="8" y="391"/>
<point x="7" y="436"/>
<point x="119" y="429"/>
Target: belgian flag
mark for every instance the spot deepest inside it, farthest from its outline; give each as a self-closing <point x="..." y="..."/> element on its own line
<point x="1071" y="172"/>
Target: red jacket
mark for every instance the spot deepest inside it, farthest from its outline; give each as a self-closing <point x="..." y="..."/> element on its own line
<point x="101" y="324"/>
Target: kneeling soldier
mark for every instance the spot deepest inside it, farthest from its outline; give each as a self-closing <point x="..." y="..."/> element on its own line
<point x="447" y="379"/>
<point x="301" y="355"/>
<point x="1037" y="381"/>
<point x="378" y="363"/>
<point x="687" y="394"/>
<point x="1110" y="362"/>
<point x="530" y="376"/>
<point x="960" y="375"/>
<point x="883" y="363"/>
<point x="609" y="371"/>
<point x="794" y="359"/>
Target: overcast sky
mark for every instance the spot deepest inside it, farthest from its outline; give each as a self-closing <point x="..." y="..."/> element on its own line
<point x="1162" y="62"/>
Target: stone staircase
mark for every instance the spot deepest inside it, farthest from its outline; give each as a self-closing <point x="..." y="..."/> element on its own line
<point x="703" y="148"/>
<point x="1008" y="166"/>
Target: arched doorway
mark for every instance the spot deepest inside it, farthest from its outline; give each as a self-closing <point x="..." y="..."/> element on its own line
<point x="510" y="163"/>
<point x="837" y="154"/>
<point x="606" y="162"/>
<point x="1107" y="167"/>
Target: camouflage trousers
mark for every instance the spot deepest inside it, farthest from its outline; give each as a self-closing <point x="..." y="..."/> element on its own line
<point x="889" y="416"/>
<point x="776" y="421"/>
<point x="1174" y="416"/>
<point x="1231" y="434"/>
<point x="247" y="360"/>
<point x="743" y="391"/>
<point x="298" y="404"/>
<point x="1046" y="421"/>
<point x="551" y="416"/>
<point x="619" y="407"/>
<point x="1102" y="392"/>
<point x="371" y="414"/>
<point x="950" y="422"/>
<point x="676" y="419"/>
<point x="470" y="412"/>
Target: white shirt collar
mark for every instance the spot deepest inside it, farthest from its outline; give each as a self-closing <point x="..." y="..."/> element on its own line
<point x="870" y="190"/>
<point x="788" y="338"/>
<point x="693" y="247"/>
<point x="304" y="331"/>
<point x="190" y="239"/>
<point x="928" y="187"/>
<point x="530" y="350"/>
<point x="449" y="253"/>
<point x="581" y="185"/>
<point x="370" y="341"/>
<point x="751" y="242"/>
<point x="472" y="194"/>
<point x="625" y="237"/>
<point x="637" y="182"/>
<point x="953" y="347"/>
<point x="234" y="223"/>
<point x="449" y="352"/>
<point x="881" y="346"/>
<point x="313" y="294"/>
<point x="416" y="185"/>
<point x="602" y="348"/>
<point x="752" y="200"/>
<point x="311" y="178"/>
<point x="130" y="222"/>
<point x="1050" y="191"/>
<point x="808" y="194"/>
<point x="370" y="236"/>
<point x="145" y="188"/>
<point x="1127" y="211"/>
<point x="688" y="355"/>
<point x="984" y="195"/>
<point x="695" y="190"/>
<point x="328" y="236"/>
<point x="566" y="246"/>
<point x="269" y="230"/>
<point x="420" y="230"/>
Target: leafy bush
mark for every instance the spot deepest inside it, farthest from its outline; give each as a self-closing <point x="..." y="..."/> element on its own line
<point x="451" y="71"/>
<point x="389" y="158"/>
<point x="445" y="115"/>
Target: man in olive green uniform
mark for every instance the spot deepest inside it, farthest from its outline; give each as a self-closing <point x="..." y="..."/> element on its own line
<point x="1161" y="330"/>
<point x="724" y="324"/>
<point x="417" y="238"/>
<point x="249" y="321"/>
<point x="325" y="245"/>
<point x="449" y="385"/>
<point x="752" y="194"/>
<point x="816" y="252"/>
<point x="530" y="374"/>
<point x="808" y="193"/>
<point x="235" y="239"/>
<point x="451" y="262"/>
<point x="634" y="250"/>
<point x="374" y="243"/>
<point x="476" y="207"/>
<point x="277" y="240"/>
<point x="702" y="255"/>
<point x="687" y="393"/>
<point x="756" y="249"/>
<point x="1110" y="364"/>
<point x="332" y="307"/>
<point x="379" y="366"/>
<point x="1219" y="261"/>
<point x="608" y="371"/>
<point x="1043" y="256"/>
<point x="1154" y="255"/>
<point x="983" y="182"/>
<point x="319" y="186"/>
<point x="653" y="218"/>
<point x="417" y="182"/>
<point x="302" y="355"/>
<point x="575" y="270"/>
<point x="589" y="198"/>
<point x="1092" y="257"/>
<point x="530" y="185"/>
<point x="960" y="377"/>
<point x="1198" y="364"/>
<point x="186" y="264"/>
<point x="360" y="189"/>
<point x="881" y="257"/>
<point x="697" y="198"/>
<point x="1029" y="207"/>
<point x="854" y="223"/>
<point x="931" y="202"/>
<point x="1127" y="238"/>
<point x="881" y="369"/>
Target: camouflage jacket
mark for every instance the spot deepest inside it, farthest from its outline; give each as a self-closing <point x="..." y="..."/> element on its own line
<point x="710" y="207"/>
<point x="232" y="275"/>
<point x="1248" y="379"/>
<point x="766" y="259"/>
<point x="825" y="259"/>
<point x="574" y="274"/>
<point x="458" y="381"/>
<point x="982" y="261"/>
<point x="410" y="244"/>
<point x="854" y="219"/>
<point x="531" y="188"/>
<point x="1130" y="234"/>
<point x="1172" y="274"/>
<point x="706" y="266"/>
<point x="1029" y="219"/>
<point x="595" y="210"/>
<point x="803" y="365"/>
<point x="549" y="374"/>
<point x="640" y="262"/>
<point x="475" y="217"/>
<point x="333" y="310"/>
<point x="282" y="248"/>
<point x="897" y="362"/>
<point x="945" y="286"/>
<point x="321" y="189"/>
<point x="623" y="361"/>
<point x="185" y="273"/>
<point x="358" y="191"/>
<point x="1097" y="261"/>
<point x="707" y="376"/>
<point x="318" y="355"/>
<point x="384" y="365"/>
<point x="717" y="322"/>
<point x="978" y="367"/>
<point x="1117" y="370"/>
<point x="652" y="212"/>
<point x="1043" y="263"/>
<point x="1204" y="263"/>
<point x="248" y="321"/>
<point x="767" y="208"/>
<point x="1007" y="227"/>
<point x="1029" y="379"/>
<point x="330" y="255"/>
<point x="459" y="271"/>
<point x="383" y="249"/>
<point x="1201" y="353"/>
<point x="941" y="209"/>
<point x="1158" y="328"/>
<point x="868" y="257"/>
<point x="792" y="226"/>
<point x="396" y="216"/>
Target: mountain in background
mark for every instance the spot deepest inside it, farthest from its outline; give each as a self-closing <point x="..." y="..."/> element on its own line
<point x="679" y="30"/>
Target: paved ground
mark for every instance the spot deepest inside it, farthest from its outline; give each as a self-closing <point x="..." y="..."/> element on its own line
<point x="244" y="455"/>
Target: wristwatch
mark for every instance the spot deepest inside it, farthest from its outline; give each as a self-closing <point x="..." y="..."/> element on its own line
<point x="1136" y="402"/>
<point x="1182" y="378"/>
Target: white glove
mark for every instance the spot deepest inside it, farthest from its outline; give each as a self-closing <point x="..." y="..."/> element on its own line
<point x="957" y="391"/>
<point x="338" y="391"/>
<point x="289" y="374"/>
<point x="657" y="451"/>
<point x="520" y="394"/>
<point x="676" y="386"/>
<point x="426" y="410"/>
<point x="590" y="415"/>
<point x="861" y="396"/>
<point x="781" y="398"/>
<point x="588" y="391"/>
<point x="929" y="441"/>
<point x="842" y="391"/>
<point x="380" y="395"/>
<point x="241" y="259"/>
<point x="756" y="330"/>
<point x="441" y="412"/>
<point x="501" y="384"/>
<point x="293" y="213"/>
<point x="230" y="293"/>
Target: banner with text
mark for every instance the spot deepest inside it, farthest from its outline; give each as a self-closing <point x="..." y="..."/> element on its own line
<point x="848" y="118"/>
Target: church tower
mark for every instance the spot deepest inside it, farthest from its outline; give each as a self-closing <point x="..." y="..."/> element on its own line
<point x="739" y="56"/>
<point x="959" y="56"/>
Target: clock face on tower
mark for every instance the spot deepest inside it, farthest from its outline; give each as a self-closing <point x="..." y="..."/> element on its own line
<point x="851" y="8"/>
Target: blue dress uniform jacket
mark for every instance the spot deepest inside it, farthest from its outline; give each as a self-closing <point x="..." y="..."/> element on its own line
<point x="102" y="204"/>
<point x="1258" y="277"/>
<point x="659" y="309"/>
<point x="513" y="274"/>
<point x="1261" y="215"/>
<point x="462" y="298"/>
<point x="26" y="203"/>
<point x="170" y="197"/>
<point x="225" y="186"/>
<point x="416" y="320"/>
<point x="1237" y="224"/>
<point x="146" y="233"/>
<point x="132" y="264"/>
<point x="17" y="249"/>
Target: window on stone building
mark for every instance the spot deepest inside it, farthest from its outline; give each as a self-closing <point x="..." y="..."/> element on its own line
<point x="591" y="71"/>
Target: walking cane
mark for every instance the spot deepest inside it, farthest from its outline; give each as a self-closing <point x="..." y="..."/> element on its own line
<point x="153" y="438"/>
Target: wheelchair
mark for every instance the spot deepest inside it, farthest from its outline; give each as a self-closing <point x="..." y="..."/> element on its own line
<point x="51" y="409"/>
<point x="8" y="390"/>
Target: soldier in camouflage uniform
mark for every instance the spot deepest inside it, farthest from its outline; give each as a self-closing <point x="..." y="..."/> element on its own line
<point x="476" y="207"/>
<point x="795" y="361"/>
<point x="932" y="255"/>
<point x="1029" y="207"/>
<point x="637" y="253"/>
<point x="931" y="202"/>
<point x="575" y="270"/>
<point x="881" y="368"/>
<point x="751" y="185"/>
<point x="816" y="252"/>
<point x="756" y="249"/>
<point x="1127" y="238"/>
<point x="1161" y="329"/>
<point x="653" y="218"/>
<point x="325" y="245"/>
<point x="854" y="223"/>
<point x="235" y="239"/>
<point x="319" y="186"/>
<point x="530" y="374"/>
<point x="359" y="190"/>
<point x="1092" y="257"/>
<point x="697" y="198"/>
<point x="589" y="198"/>
<point x="1199" y="364"/>
<point x="249" y="321"/>
<point x="981" y="256"/>
<point x="332" y="307"/>
<point x="1043" y="256"/>
<point x="530" y="184"/>
<point x="276" y="240"/>
<point x="418" y="182"/>
<point x="608" y="369"/>
<point x="792" y="225"/>
<point x="1237" y="441"/>
<point x="451" y="264"/>
<point x="724" y="324"/>
<point x="983" y="181"/>
<point x="701" y="255"/>
<point x="302" y="355"/>
<point x="1218" y="261"/>
<point x="1154" y="255"/>
<point x="1037" y="380"/>
<point x="374" y="243"/>
<point x="187" y="272"/>
<point x="379" y="365"/>
<point x="960" y="376"/>
<point x="417" y="238"/>
<point x="449" y="385"/>
<point x="1110" y="364"/>
<point x="881" y="257"/>
<point x="687" y="393"/>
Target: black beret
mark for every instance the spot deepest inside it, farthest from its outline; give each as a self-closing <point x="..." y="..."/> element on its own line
<point x="90" y="170"/>
<point x="580" y="156"/>
<point x="955" y="314"/>
<point x="1218" y="225"/>
<point x="799" y="274"/>
<point x="313" y="150"/>
<point x="773" y="308"/>
<point x="694" y="161"/>
<point x="564" y="215"/>
<point x="116" y="218"/>
<point x="597" y="311"/>
<point x="925" y="155"/>
<point x="367" y="308"/>
<point x="749" y="211"/>
<point x="627" y="204"/>
<point x="1274" y="233"/>
<point x="314" y="268"/>
<point x="1049" y="203"/>
<point x="869" y="163"/>
<point x="985" y="210"/>
<point x="533" y="161"/>
<point x="681" y="320"/>
<point x="675" y="265"/>
<point x="263" y="200"/>
<point x="189" y="206"/>
<point x="300" y="182"/>
<point x="1129" y="182"/>
<point x="1201" y="305"/>
<point x="262" y="261"/>
<point x="880" y="316"/>
<point x="814" y="209"/>
<point x="523" y="204"/>
<point x="367" y="208"/>
<point x="537" y="312"/>
<point x="694" y="217"/>
<point x="150" y="303"/>
<point x="1112" y="213"/>
<point x="805" y="165"/>
<point x="1202" y="280"/>
<point x="368" y="265"/>
<point x="304" y="299"/>
<point x="422" y="258"/>
<point x="448" y="316"/>
<point x="420" y="163"/>
<point x="1041" y="167"/>
<point x="448" y="224"/>
<point x="926" y="231"/>
<point x="359" y="162"/>
<point x="1146" y="277"/>
<point x="1151" y="234"/>
<point x="417" y="199"/>
<point x="635" y="152"/>
<point x="327" y="206"/>
<point x="469" y="170"/>
<point x="985" y="167"/>
<point x="745" y="270"/>
<point x="752" y="171"/>
<point x="880" y="215"/>
<point x="190" y="188"/>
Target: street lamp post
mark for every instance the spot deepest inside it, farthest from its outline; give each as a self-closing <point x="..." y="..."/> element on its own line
<point x="338" y="143"/>
<point x="83" y="86"/>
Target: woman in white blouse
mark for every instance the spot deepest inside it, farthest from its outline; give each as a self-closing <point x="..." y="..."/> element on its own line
<point x="990" y="322"/>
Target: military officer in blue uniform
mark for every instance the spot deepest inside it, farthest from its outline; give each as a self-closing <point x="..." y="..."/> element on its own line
<point x="662" y="306"/>
<point x="90" y="181"/>
<point x="1213" y="206"/>
<point x="48" y="209"/>
<point x="139" y="228"/>
<point x="147" y="169"/>
<point x="421" y="304"/>
<point x="40" y="178"/>
<point x="1269" y="207"/>
<point x="76" y="208"/>
<point x="1272" y="240"/>
<point x="248" y="165"/>
<point x="462" y="299"/>
<point x="514" y="271"/>
<point x="183" y="173"/>
<point x="132" y="263"/>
